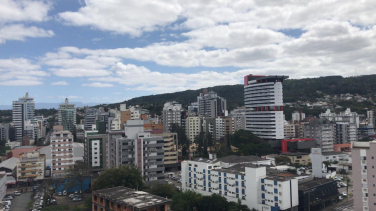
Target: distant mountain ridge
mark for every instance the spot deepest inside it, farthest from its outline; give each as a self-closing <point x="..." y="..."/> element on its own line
<point x="307" y="89"/>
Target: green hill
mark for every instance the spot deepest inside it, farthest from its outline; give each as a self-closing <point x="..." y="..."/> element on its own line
<point x="307" y="89"/>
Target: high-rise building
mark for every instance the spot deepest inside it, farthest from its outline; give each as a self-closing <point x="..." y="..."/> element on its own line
<point x="263" y="99"/>
<point x="211" y="105"/>
<point x="62" y="152"/>
<point x="298" y="116"/>
<point x="371" y="115"/>
<point x="141" y="149"/>
<point x="322" y="131"/>
<point x="90" y="117"/>
<point x="67" y="116"/>
<point x="4" y="131"/>
<point x="95" y="150"/>
<point x="171" y="114"/>
<point x="23" y="110"/>
<point x="193" y="127"/>
<point x="363" y="175"/>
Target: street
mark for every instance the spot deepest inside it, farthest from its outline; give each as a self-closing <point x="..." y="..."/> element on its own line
<point x="344" y="205"/>
<point x="19" y="202"/>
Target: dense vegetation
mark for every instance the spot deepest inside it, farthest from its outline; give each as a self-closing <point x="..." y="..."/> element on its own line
<point x="6" y="115"/>
<point x="307" y="89"/>
<point x="127" y="176"/>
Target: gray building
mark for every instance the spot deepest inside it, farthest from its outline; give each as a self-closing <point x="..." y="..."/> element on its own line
<point x="211" y="105"/>
<point x="23" y="111"/>
<point x="4" y="131"/>
<point x="322" y="131"/>
<point x="140" y="149"/>
<point x="67" y="116"/>
<point x="90" y="117"/>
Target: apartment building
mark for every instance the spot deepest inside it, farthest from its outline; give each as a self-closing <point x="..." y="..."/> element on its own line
<point x="95" y="150"/>
<point x="211" y="105"/>
<point x="346" y="125"/>
<point x="371" y="115"/>
<point x="62" y="152"/>
<point x="239" y="119"/>
<point x="263" y="100"/>
<point x="193" y="127"/>
<point x="170" y="147"/>
<point x="141" y="149"/>
<point x="171" y="114"/>
<point x="23" y="110"/>
<point x="289" y="130"/>
<point x="245" y="178"/>
<point x="297" y="116"/>
<point x="90" y="117"/>
<point x="4" y="131"/>
<point x="67" y="116"/>
<point x="30" y="167"/>
<point x="364" y="175"/>
<point x="127" y="199"/>
<point x="322" y="131"/>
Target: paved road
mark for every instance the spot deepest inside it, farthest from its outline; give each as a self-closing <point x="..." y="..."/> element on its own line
<point x="19" y="202"/>
<point x="342" y="206"/>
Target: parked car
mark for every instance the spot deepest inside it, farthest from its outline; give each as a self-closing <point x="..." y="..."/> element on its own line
<point x="60" y="193"/>
<point x="338" y="185"/>
<point x="77" y="199"/>
<point x="65" y="193"/>
<point x="7" y="202"/>
<point x="8" y="198"/>
<point x="340" y="197"/>
<point x="343" y="184"/>
<point x="344" y="193"/>
<point x="17" y="193"/>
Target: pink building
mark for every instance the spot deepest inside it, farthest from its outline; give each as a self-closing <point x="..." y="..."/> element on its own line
<point x="364" y="175"/>
<point x="16" y="152"/>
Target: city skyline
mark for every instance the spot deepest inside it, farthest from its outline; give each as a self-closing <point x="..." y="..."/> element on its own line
<point x="91" y="52"/>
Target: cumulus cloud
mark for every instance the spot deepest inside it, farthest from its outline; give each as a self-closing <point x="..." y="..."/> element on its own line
<point x="23" y="10"/>
<point x="97" y="84"/>
<point x="59" y="83"/>
<point x="20" y="72"/>
<point x="131" y="17"/>
<point x="20" y="32"/>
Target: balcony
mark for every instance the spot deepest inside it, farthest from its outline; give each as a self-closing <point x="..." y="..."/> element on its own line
<point x="28" y="176"/>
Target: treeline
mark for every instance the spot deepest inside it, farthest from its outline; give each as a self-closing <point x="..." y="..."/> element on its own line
<point x="6" y="115"/>
<point x="307" y="89"/>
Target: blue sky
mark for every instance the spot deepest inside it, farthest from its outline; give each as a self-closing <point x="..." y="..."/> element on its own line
<point x="109" y="51"/>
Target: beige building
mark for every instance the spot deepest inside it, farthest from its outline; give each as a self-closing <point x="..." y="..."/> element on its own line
<point x="170" y="147"/>
<point x="192" y="127"/>
<point x="30" y="167"/>
<point x="298" y="157"/>
<point x="62" y="152"/>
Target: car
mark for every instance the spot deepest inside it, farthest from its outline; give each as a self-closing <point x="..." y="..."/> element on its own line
<point x="17" y="193"/>
<point x="6" y="207"/>
<point x="77" y="199"/>
<point x="59" y="193"/>
<point x="76" y="192"/>
<point x="340" y="197"/>
<point x="65" y="193"/>
<point x="71" y="195"/>
<point x="343" y="184"/>
<point x="7" y="202"/>
<point x="344" y="193"/>
<point x="8" y="198"/>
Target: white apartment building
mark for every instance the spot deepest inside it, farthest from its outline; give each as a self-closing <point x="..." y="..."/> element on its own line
<point x="263" y="99"/>
<point x="62" y="152"/>
<point x="219" y="128"/>
<point x="243" y="178"/>
<point x="192" y="127"/>
<point x="171" y="114"/>
<point x="211" y="105"/>
<point x="290" y="131"/>
<point x="296" y="116"/>
<point x="23" y="110"/>
<point x="371" y="117"/>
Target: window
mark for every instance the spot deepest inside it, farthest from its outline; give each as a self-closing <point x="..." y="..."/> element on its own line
<point x="275" y="182"/>
<point x="262" y="180"/>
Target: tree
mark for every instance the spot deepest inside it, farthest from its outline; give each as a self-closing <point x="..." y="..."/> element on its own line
<point x="127" y="176"/>
<point x="162" y="190"/>
<point x="183" y="142"/>
<point x="348" y="181"/>
<point x="185" y="201"/>
<point x="77" y="174"/>
<point x="49" y="187"/>
<point x="326" y="164"/>
<point x="238" y="206"/>
<point x="282" y="160"/>
<point x="214" y="202"/>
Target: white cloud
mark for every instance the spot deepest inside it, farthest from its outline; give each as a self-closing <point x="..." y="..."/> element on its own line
<point x="131" y="17"/>
<point x="97" y="84"/>
<point x="23" y="10"/>
<point x="20" y="72"/>
<point x="59" y="83"/>
<point x="71" y="97"/>
<point x="20" y="32"/>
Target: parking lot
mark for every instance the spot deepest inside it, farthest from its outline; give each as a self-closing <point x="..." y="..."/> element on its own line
<point x="19" y="203"/>
<point x="174" y="178"/>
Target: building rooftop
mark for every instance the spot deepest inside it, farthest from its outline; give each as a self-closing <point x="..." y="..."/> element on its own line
<point x="294" y="153"/>
<point x="231" y="159"/>
<point x="25" y="147"/>
<point x="333" y="153"/>
<point x="313" y="183"/>
<point x="138" y="200"/>
<point x="10" y="163"/>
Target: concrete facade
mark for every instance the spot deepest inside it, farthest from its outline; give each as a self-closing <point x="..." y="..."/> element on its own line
<point x="67" y="116"/>
<point x="62" y="152"/>
<point x="211" y="105"/>
<point x="31" y="166"/>
<point x="171" y="114"/>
